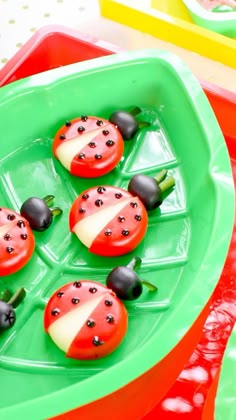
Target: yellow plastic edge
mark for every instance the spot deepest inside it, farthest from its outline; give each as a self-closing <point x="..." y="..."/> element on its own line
<point x="174" y="30"/>
<point x="174" y="8"/>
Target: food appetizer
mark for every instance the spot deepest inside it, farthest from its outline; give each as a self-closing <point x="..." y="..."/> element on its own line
<point x="111" y="221"/>
<point x="85" y="320"/>
<point x="90" y="146"/>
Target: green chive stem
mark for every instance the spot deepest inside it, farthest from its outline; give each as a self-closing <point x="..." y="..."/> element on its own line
<point x="56" y="211"/>
<point x="5" y="295"/>
<point x="142" y="124"/>
<point x="167" y="184"/>
<point x="135" y="111"/>
<point x="17" y="298"/>
<point x="150" y="286"/>
<point x="134" y="263"/>
<point x="161" y="175"/>
<point x="48" y="199"/>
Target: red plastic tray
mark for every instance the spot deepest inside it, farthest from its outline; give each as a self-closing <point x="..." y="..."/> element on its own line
<point x="50" y="47"/>
<point x="192" y="396"/>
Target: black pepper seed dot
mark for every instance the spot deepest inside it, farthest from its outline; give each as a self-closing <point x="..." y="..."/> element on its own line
<point x="80" y="129"/>
<point x="108" y="232"/>
<point x="108" y="302"/>
<point x="92" y="144"/>
<point x="96" y="341"/>
<point x="90" y="323"/>
<point x="110" y="143"/>
<point x="9" y="249"/>
<point x="77" y="284"/>
<point x="121" y="219"/>
<point x="55" y="311"/>
<point x="7" y="237"/>
<point x="20" y="224"/>
<point x="81" y="210"/>
<point x="23" y="236"/>
<point x="125" y="232"/>
<point x="62" y="137"/>
<point x="138" y="217"/>
<point x="60" y="294"/>
<point x="101" y="190"/>
<point x="134" y="204"/>
<point x="110" y="319"/>
<point x="84" y="117"/>
<point x="98" y="157"/>
<point x="81" y="156"/>
<point x="85" y="196"/>
<point x="75" y="300"/>
<point x="98" y="203"/>
<point x="105" y="132"/>
<point x="99" y="122"/>
<point x="68" y="123"/>
<point x="93" y="289"/>
<point x="118" y="195"/>
<point x="11" y="216"/>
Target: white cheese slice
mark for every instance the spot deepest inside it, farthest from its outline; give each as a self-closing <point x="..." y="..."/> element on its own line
<point x="70" y="148"/>
<point x="64" y="330"/>
<point x="88" y="228"/>
<point x="6" y="227"/>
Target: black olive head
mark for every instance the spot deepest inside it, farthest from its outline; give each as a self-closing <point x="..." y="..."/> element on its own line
<point x="125" y="122"/>
<point x="125" y="283"/>
<point x="7" y="315"/>
<point x="37" y="212"/>
<point x="146" y="188"/>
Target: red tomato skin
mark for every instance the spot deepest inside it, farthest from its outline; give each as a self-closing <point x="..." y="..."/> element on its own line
<point x="86" y="201"/>
<point x="118" y="244"/>
<point x="111" y="334"/>
<point x="98" y="160"/>
<point x="22" y="248"/>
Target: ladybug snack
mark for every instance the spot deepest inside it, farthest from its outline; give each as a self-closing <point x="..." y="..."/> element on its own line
<point x="111" y="221"/>
<point x="90" y="147"/>
<point x="85" y="320"/>
<point x="16" y="241"/>
<point x="108" y="220"/>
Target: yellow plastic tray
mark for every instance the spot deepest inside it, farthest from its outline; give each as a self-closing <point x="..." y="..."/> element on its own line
<point x="170" y="21"/>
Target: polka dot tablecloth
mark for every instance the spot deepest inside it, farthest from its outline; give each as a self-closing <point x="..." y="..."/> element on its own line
<point x="19" y="19"/>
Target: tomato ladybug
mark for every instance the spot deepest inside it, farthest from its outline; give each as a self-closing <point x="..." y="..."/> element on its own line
<point x="108" y="220"/>
<point x="85" y="320"/>
<point x="16" y="241"/>
<point x="111" y="221"/>
<point x="88" y="146"/>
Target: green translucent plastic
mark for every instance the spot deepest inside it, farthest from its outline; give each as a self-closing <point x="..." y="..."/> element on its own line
<point x="221" y="22"/>
<point x="183" y="251"/>
<point x="225" y="404"/>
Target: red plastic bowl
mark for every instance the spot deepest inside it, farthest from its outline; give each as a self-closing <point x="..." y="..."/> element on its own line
<point x="53" y="46"/>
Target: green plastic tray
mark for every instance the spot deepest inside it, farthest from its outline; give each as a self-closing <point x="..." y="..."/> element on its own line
<point x="225" y="405"/>
<point x="223" y="23"/>
<point x="185" y="246"/>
